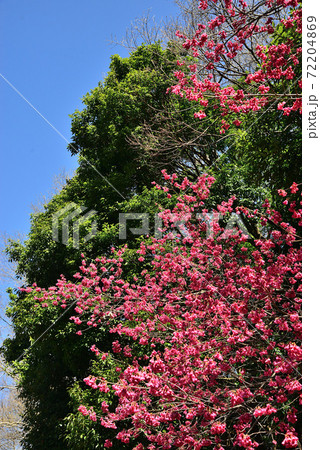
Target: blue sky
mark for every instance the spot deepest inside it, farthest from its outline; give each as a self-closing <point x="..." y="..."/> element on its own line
<point x="53" y="53"/>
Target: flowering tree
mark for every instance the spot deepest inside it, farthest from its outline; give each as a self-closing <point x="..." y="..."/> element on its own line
<point x="206" y="340"/>
<point x="229" y="31"/>
<point x="218" y="319"/>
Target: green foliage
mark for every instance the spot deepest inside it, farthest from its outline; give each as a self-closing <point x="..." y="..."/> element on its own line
<point x="50" y="358"/>
<point x="249" y="164"/>
<point x="134" y="88"/>
<point x="81" y="433"/>
<point x="270" y="150"/>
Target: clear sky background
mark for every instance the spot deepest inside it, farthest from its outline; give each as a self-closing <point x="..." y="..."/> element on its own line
<point x="53" y="52"/>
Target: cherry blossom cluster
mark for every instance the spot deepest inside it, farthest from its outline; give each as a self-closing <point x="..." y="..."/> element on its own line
<point x="219" y="320"/>
<point x="233" y="28"/>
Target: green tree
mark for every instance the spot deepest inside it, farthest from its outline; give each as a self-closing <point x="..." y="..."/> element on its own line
<point x="50" y="358"/>
<point x="128" y="130"/>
